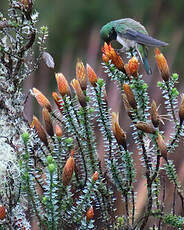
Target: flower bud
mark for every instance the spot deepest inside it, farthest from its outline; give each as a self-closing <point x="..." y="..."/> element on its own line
<point x="62" y="84"/>
<point x="77" y="87"/>
<point x="81" y="74"/>
<point x="127" y="71"/>
<point x="41" y="99"/>
<point x="26" y="3"/>
<point x="162" y="65"/>
<point x="90" y="214"/>
<point x="133" y="65"/>
<point x="91" y="75"/>
<point x="48" y="122"/>
<point x="69" y="140"/>
<point x="51" y="168"/>
<point x="25" y="137"/>
<point x="95" y="176"/>
<point x="58" y="131"/>
<point x="68" y="170"/>
<point x="130" y="96"/>
<point x="118" y="131"/>
<point x="145" y="127"/>
<point x="40" y="130"/>
<point x="162" y="146"/>
<point x="59" y="101"/>
<point x="2" y="212"/>
<point x="50" y="159"/>
<point x="181" y="111"/>
<point x="100" y="82"/>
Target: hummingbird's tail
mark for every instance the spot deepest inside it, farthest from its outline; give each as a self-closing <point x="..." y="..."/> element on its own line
<point x="147" y="66"/>
<point x="143" y="53"/>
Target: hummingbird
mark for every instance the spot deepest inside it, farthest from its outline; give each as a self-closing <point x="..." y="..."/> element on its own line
<point x="132" y="36"/>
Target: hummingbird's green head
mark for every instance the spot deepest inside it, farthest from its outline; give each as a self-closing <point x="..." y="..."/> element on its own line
<point x="108" y="33"/>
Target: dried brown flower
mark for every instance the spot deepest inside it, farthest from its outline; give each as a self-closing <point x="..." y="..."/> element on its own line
<point x="130" y="96"/>
<point x="47" y="121"/>
<point x="118" y="131"/>
<point x="155" y="117"/>
<point x="127" y="106"/>
<point x="145" y="127"/>
<point x="162" y="146"/>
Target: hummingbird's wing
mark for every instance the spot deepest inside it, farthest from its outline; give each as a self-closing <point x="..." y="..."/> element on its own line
<point x="141" y="38"/>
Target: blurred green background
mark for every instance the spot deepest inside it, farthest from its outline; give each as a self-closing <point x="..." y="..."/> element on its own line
<point x="74" y="32"/>
<point x="73" y="24"/>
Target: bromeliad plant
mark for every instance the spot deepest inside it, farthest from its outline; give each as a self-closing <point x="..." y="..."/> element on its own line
<point x="55" y="174"/>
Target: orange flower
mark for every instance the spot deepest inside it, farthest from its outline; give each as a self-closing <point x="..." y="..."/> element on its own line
<point x="62" y="84"/>
<point x="110" y="54"/>
<point x="25" y="3"/>
<point x="58" y="131"/>
<point x="2" y="212"/>
<point x="162" y="146"/>
<point x="48" y="122"/>
<point x="162" y="65"/>
<point x="127" y="71"/>
<point x="133" y="65"/>
<point x="105" y="58"/>
<point x="68" y="169"/>
<point x="118" y="131"/>
<point x="91" y="75"/>
<point x="95" y="176"/>
<point x="77" y="87"/>
<point x="41" y="99"/>
<point x="40" y="130"/>
<point x="127" y="106"/>
<point x="130" y="96"/>
<point x="106" y="49"/>
<point x="58" y="100"/>
<point x="81" y="74"/>
<point x="90" y="214"/>
<point x="181" y="111"/>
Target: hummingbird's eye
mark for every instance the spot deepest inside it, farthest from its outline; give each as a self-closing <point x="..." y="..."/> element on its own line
<point x="112" y="35"/>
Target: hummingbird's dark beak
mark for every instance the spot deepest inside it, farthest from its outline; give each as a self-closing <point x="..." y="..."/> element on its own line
<point x="108" y="41"/>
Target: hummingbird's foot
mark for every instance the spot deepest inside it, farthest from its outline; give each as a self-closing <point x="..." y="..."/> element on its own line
<point x="121" y="50"/>
<point x="118" y="51"/>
